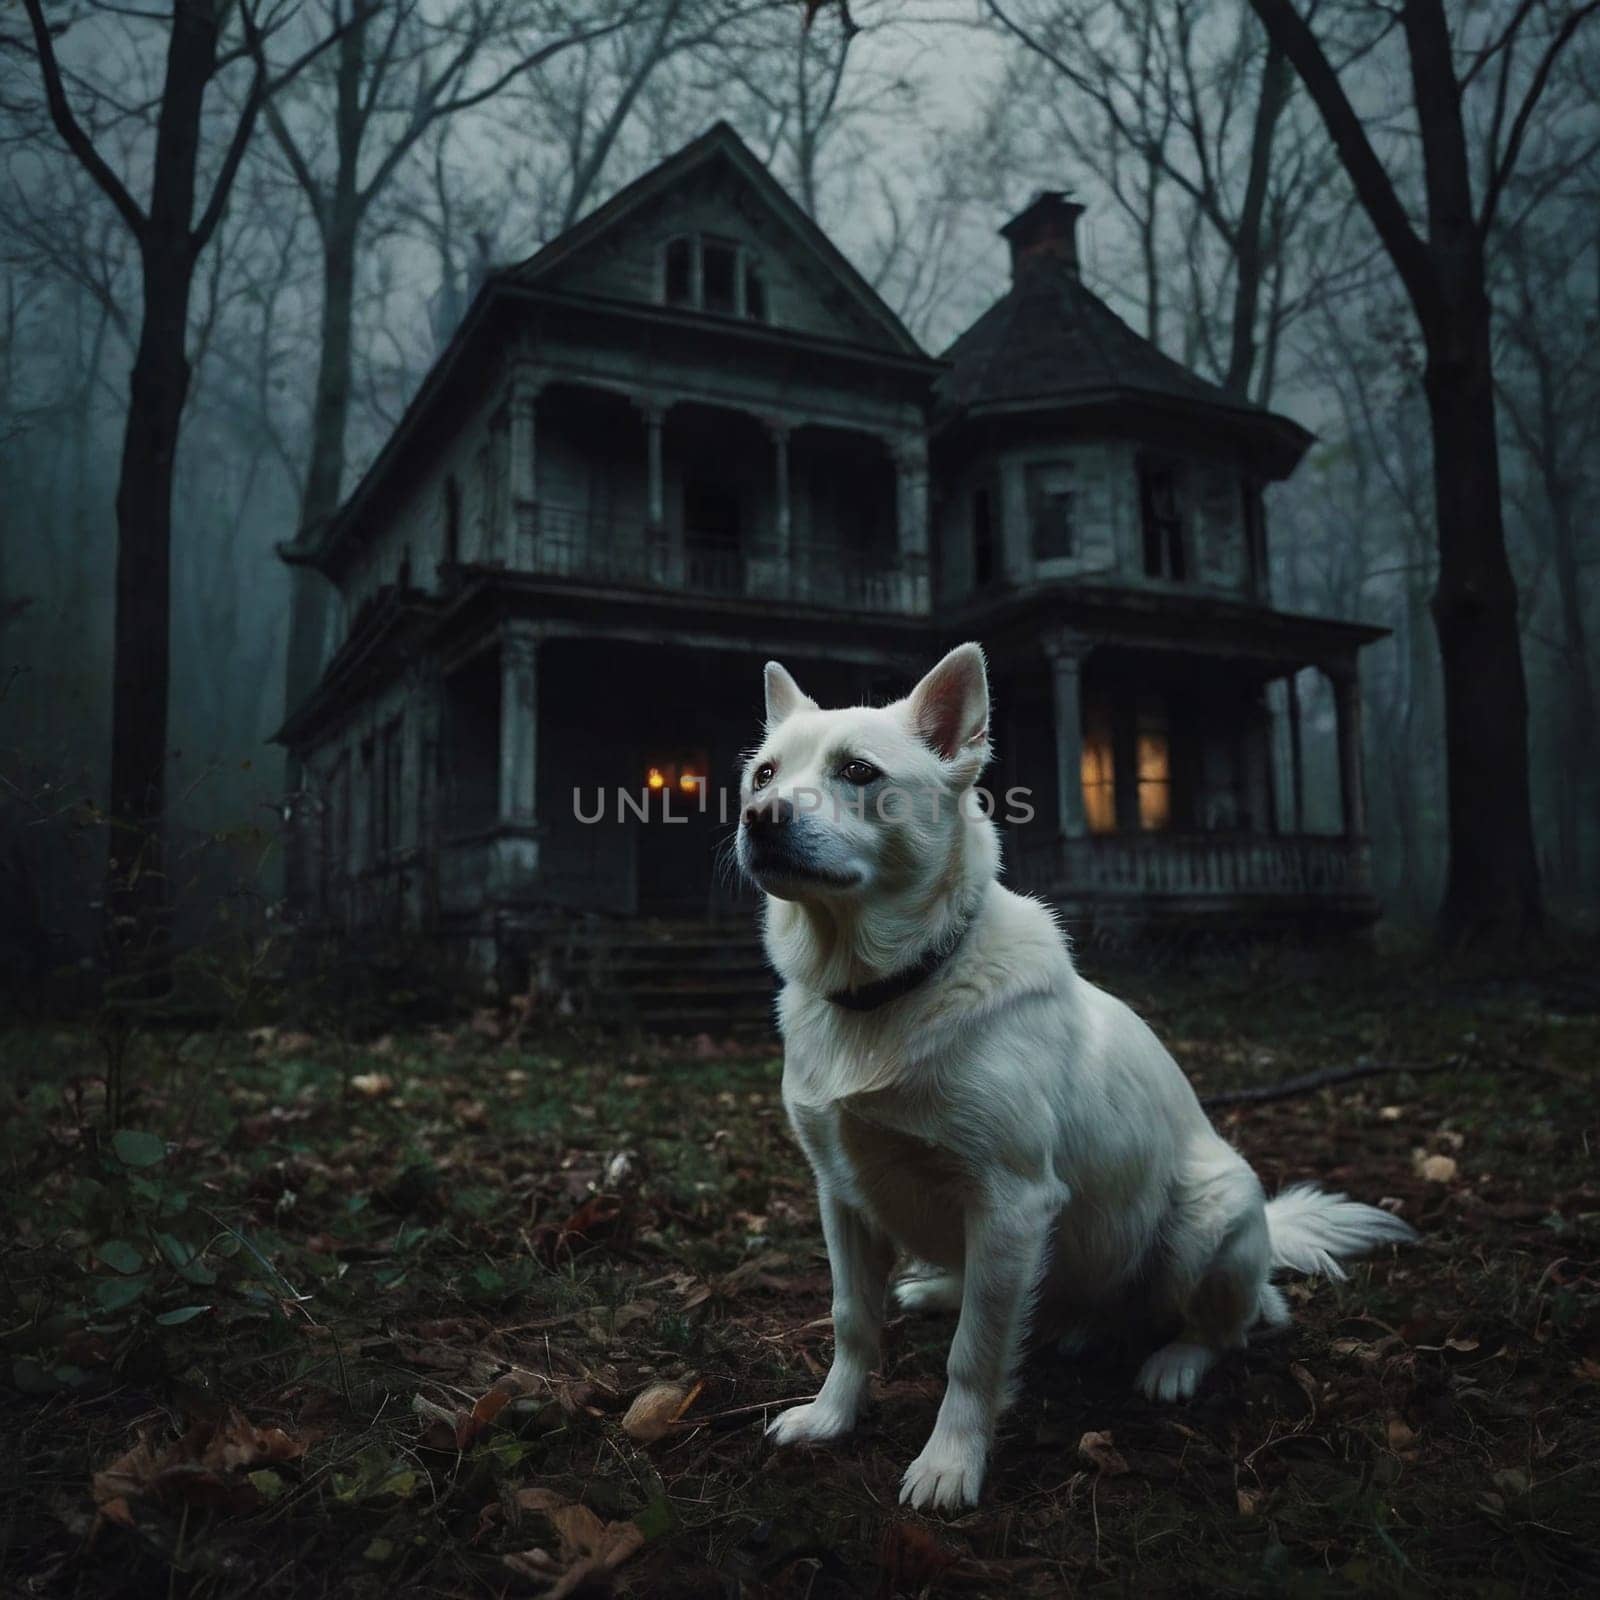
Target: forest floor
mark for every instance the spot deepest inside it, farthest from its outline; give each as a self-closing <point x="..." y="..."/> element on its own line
<point x="331" y="1318"/>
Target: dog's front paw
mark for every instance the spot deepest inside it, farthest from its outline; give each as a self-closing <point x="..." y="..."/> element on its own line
<point x="1174" y="1371"/>
<point x="809" y="1424"/>
<point x="939" y="1292"/>
<point x="946" y="1476"/>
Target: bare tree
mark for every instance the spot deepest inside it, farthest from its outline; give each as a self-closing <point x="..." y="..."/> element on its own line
<point x="1492" y="885"/>
<point x="395" y="74"/>
<point x="171" y="239"/>
<point x="1549" y="393"/>
<point x="1180" y="108"/>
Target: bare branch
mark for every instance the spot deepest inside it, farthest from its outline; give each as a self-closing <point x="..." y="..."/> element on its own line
<point x="1507" y="163"/>
<point x="1373" y="185"/>
<point x="71" y="130"/>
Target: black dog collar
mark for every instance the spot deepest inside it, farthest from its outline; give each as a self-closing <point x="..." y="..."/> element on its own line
<point x="872" y="995"/>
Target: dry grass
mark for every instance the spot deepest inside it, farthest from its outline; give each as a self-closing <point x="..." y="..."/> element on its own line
<point x="438" y="1268"/>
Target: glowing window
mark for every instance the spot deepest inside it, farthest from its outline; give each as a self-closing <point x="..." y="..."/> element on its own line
<point x="1099" y="770"/>
<point x="1154" y="755"/>
<point x="685" y="773"/>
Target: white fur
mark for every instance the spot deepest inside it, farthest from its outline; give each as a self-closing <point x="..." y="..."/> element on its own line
<point x="1010" y="1126"/>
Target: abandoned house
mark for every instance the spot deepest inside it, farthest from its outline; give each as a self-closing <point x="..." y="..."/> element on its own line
<point x="687" y="436"/>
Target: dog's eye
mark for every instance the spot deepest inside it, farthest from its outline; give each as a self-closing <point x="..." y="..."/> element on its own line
<point x="763" y="775"/>
<point x="859" y="772"/>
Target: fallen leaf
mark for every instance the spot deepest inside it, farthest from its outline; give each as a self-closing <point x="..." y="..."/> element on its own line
<point x="485" y="1409"/>
<point x="910" y="1558"/>
<point x="374" y="1085"/>
<point x="1098" y="1450"/>
<point x="655" y="1409"/>
<point x="209" y="1465"/>
<point x="1249" y="1501"/>
<point x="1436" y="1169"/>
<point x="590" y="1547"/>
<point x="1307" y="1383"/>
<point x="1400" y="1435"/>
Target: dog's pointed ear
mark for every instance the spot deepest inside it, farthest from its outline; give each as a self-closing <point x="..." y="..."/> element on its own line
<point x="784" y="695"/>
<point x="949" y="709"/>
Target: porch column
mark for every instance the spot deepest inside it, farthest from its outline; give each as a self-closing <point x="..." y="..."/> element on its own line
<point x="1297" y="789"/>
<point x="522" y="533"/>
<point x="911" y="514"/>
<point x="1065" y="652"/>
<point x="784" y="521"/>
<point x="1346" y="683"/>
<point x="654" y="414"/>
<point x="408" y="826"/>
<point x="519" y="726"/>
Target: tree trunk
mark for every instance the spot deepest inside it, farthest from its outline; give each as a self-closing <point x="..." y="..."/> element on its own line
<point x="338" y="211"/>
<point x="1249" y="257"/>
<point x="310" y="591"/>
<point x="1579" y="800"/>
<point x="1492" y="881"/>
<point x="141" y="651"/>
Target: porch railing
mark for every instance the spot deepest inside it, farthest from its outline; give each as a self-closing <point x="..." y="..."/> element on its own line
<point x="1112" y="865"/>
<point x="559" y="542"/>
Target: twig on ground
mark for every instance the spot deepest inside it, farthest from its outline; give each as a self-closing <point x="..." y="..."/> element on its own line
<point x="1309" y="1081"/>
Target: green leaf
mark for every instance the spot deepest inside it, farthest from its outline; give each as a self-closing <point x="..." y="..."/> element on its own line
<point x="119" y="1255"/>
<point x="112" y="1294"/>
<point x="411" y="1235"/>
<point x="183" y="1314"/>
<point x="175" y="1250"/>
<point x="375" y="1472"/>
<point x="136" y="1148"/>
<point x="379" y="1550"/>
<point x="657" y="1519"/>
<point x="269" y="1484"/>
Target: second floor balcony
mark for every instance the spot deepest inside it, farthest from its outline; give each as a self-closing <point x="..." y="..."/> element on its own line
<point x="572" y="545"/>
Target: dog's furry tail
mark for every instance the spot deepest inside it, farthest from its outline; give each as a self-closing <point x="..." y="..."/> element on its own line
<point x="1311" y="1230"/>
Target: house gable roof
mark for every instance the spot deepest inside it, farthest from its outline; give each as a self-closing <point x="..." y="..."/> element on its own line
<point x="859" y="313"/>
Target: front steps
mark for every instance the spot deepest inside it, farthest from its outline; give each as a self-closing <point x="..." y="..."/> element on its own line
<point x="658" y="976"/>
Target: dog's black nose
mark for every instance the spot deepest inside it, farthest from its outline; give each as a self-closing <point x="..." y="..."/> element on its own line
<point x="759" y="816"/>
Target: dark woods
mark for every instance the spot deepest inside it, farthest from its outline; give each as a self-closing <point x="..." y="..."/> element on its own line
<point x="235" y="237"/>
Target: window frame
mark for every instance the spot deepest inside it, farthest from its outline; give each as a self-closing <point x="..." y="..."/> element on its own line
<point x="1166" y="537"/>
<point x="746" y="274"/>
<point x="986" y="544"/>
<point x="1038" y="496"/>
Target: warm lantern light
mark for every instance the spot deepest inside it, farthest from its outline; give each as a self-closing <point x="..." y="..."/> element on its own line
<point x="690" y="781"/>
<point x="656" y="780"/>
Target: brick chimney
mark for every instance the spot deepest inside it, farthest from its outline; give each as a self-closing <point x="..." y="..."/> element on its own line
<point x="1044" y="236"/>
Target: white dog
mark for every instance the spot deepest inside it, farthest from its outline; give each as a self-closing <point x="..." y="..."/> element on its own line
<point x="965" y="1098"/>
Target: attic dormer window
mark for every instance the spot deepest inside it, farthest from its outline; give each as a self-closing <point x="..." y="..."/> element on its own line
<point x="719" y="271"/>
<point x="706" y="273"/>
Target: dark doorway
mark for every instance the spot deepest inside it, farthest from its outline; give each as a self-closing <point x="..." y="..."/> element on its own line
<point x="684" y="799"/>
